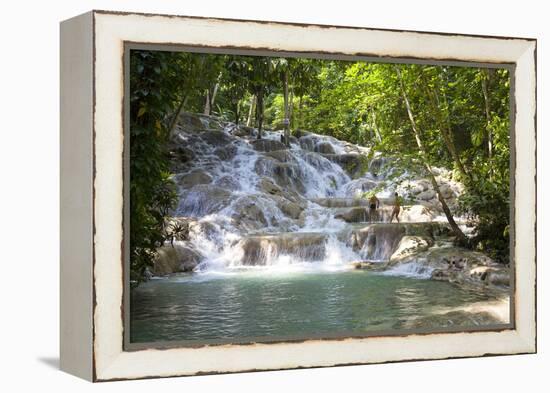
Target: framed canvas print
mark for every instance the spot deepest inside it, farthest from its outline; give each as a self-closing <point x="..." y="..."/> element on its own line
<point x="246" y="195"/>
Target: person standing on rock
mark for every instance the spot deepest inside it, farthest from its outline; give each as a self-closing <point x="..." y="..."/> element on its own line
<point x="396" y="208"/>
<point x="374" y="204"/>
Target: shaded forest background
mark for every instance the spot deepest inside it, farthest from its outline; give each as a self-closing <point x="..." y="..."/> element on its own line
<point x="422" y="116"/>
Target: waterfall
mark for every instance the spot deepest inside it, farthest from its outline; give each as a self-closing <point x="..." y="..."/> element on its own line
<point x="251" y="204"/>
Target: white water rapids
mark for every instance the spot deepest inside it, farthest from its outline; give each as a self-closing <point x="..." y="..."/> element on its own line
<point x="253" y="204"/>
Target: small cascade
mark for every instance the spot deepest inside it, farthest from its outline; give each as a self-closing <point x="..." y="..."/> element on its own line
<point x="410" y="269"/>
<point x="378" y="242"/>
<point x="282" y="249"/>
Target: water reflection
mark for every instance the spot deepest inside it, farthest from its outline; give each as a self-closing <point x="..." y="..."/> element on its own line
<point x="251" y="305"/>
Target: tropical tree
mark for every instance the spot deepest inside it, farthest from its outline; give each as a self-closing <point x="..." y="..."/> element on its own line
<point x="261" y="80"/>
<point x="235" y="83"/>
<point x="152" y="192"/>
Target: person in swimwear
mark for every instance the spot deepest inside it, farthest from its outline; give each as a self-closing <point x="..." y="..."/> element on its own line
<point x="396" y="208"/>
<point x="374" y="204"/>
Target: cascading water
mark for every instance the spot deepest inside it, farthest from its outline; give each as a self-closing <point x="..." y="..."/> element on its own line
<point x="258" y="203"/>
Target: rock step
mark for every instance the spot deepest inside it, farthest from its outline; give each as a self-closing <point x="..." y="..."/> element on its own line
<point x="380" y="241"/>
<point x="408" y="214"/>
<point x="364" y="214"/>
<point x="340" y="202"/>
<point x="263" y="249"/>
<point x="334" y="202"/>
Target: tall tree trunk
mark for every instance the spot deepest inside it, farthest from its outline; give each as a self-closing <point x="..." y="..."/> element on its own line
<point x="177" y="115"/>
<point x="251" y="111"/>
<point x="375" y="125"/>
<point x="207" y="103"/>
<point x="214" y="93"/>
<point x="286" y="121"/>
<point x="424" y="156"/>
<point x="300" y="115"/>
<point x="211" y="96"/>
<point x="485" y="88"/>
<point x="443" y="119"/>
<point x="260" y="111"/>
<point x="446" y="132"/>
<point x="291" y="108"/>
<point x="237" y="113"/>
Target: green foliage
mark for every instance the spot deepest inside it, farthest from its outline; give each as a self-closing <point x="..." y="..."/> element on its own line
<point x="152" y="192"/>
<point x="235" y="84"/>
<point x="486" y="200"/>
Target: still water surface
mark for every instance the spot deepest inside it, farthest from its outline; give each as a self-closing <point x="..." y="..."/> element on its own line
<point x="260" y="304"/>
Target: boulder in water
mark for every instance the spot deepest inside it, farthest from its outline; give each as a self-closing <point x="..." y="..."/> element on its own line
<point x="409" y="245"/>
<point x="308" y="141"/>
<point x="289" y="175"/>
<point x="216" y="138"/>
<point x="268" y="186"/>
<point x="426" y="195"/>
<point x="291" y="209"/>
<point x="417" y="213"/>
<point x="355" y="214"/>
<point x="244" y="131"/>
<point x="203" y="199"/>
<point x="424" y="184"/>
<point x="281" y="155"/>
<point x="247" y="213"/>
<point x="354" y="164"/>
<point x="226" y="152"/>
<point x="498" y="277"/>
<point x="286" y="175"/>
<point x="457" y="265"/>
<point x="300" y="133"/>
<point x="228" y="182"/>
<point x="324" y="148"/>
<point x="267" y="145"/>
<point x="191" y="122"/>
<point x="197" y="176"/>
<point x="175" y="259"/>
<point x="492" y="275"/>
<point x="367" y="265"/>
<point x="182" y="154"/>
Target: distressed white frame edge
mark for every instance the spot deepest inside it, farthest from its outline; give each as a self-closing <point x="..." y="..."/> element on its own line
<point x="110" y="33"/>
<point x="76" y="180"/>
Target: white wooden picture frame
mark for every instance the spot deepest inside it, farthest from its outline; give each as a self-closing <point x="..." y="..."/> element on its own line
<point x="93" y="203"/>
